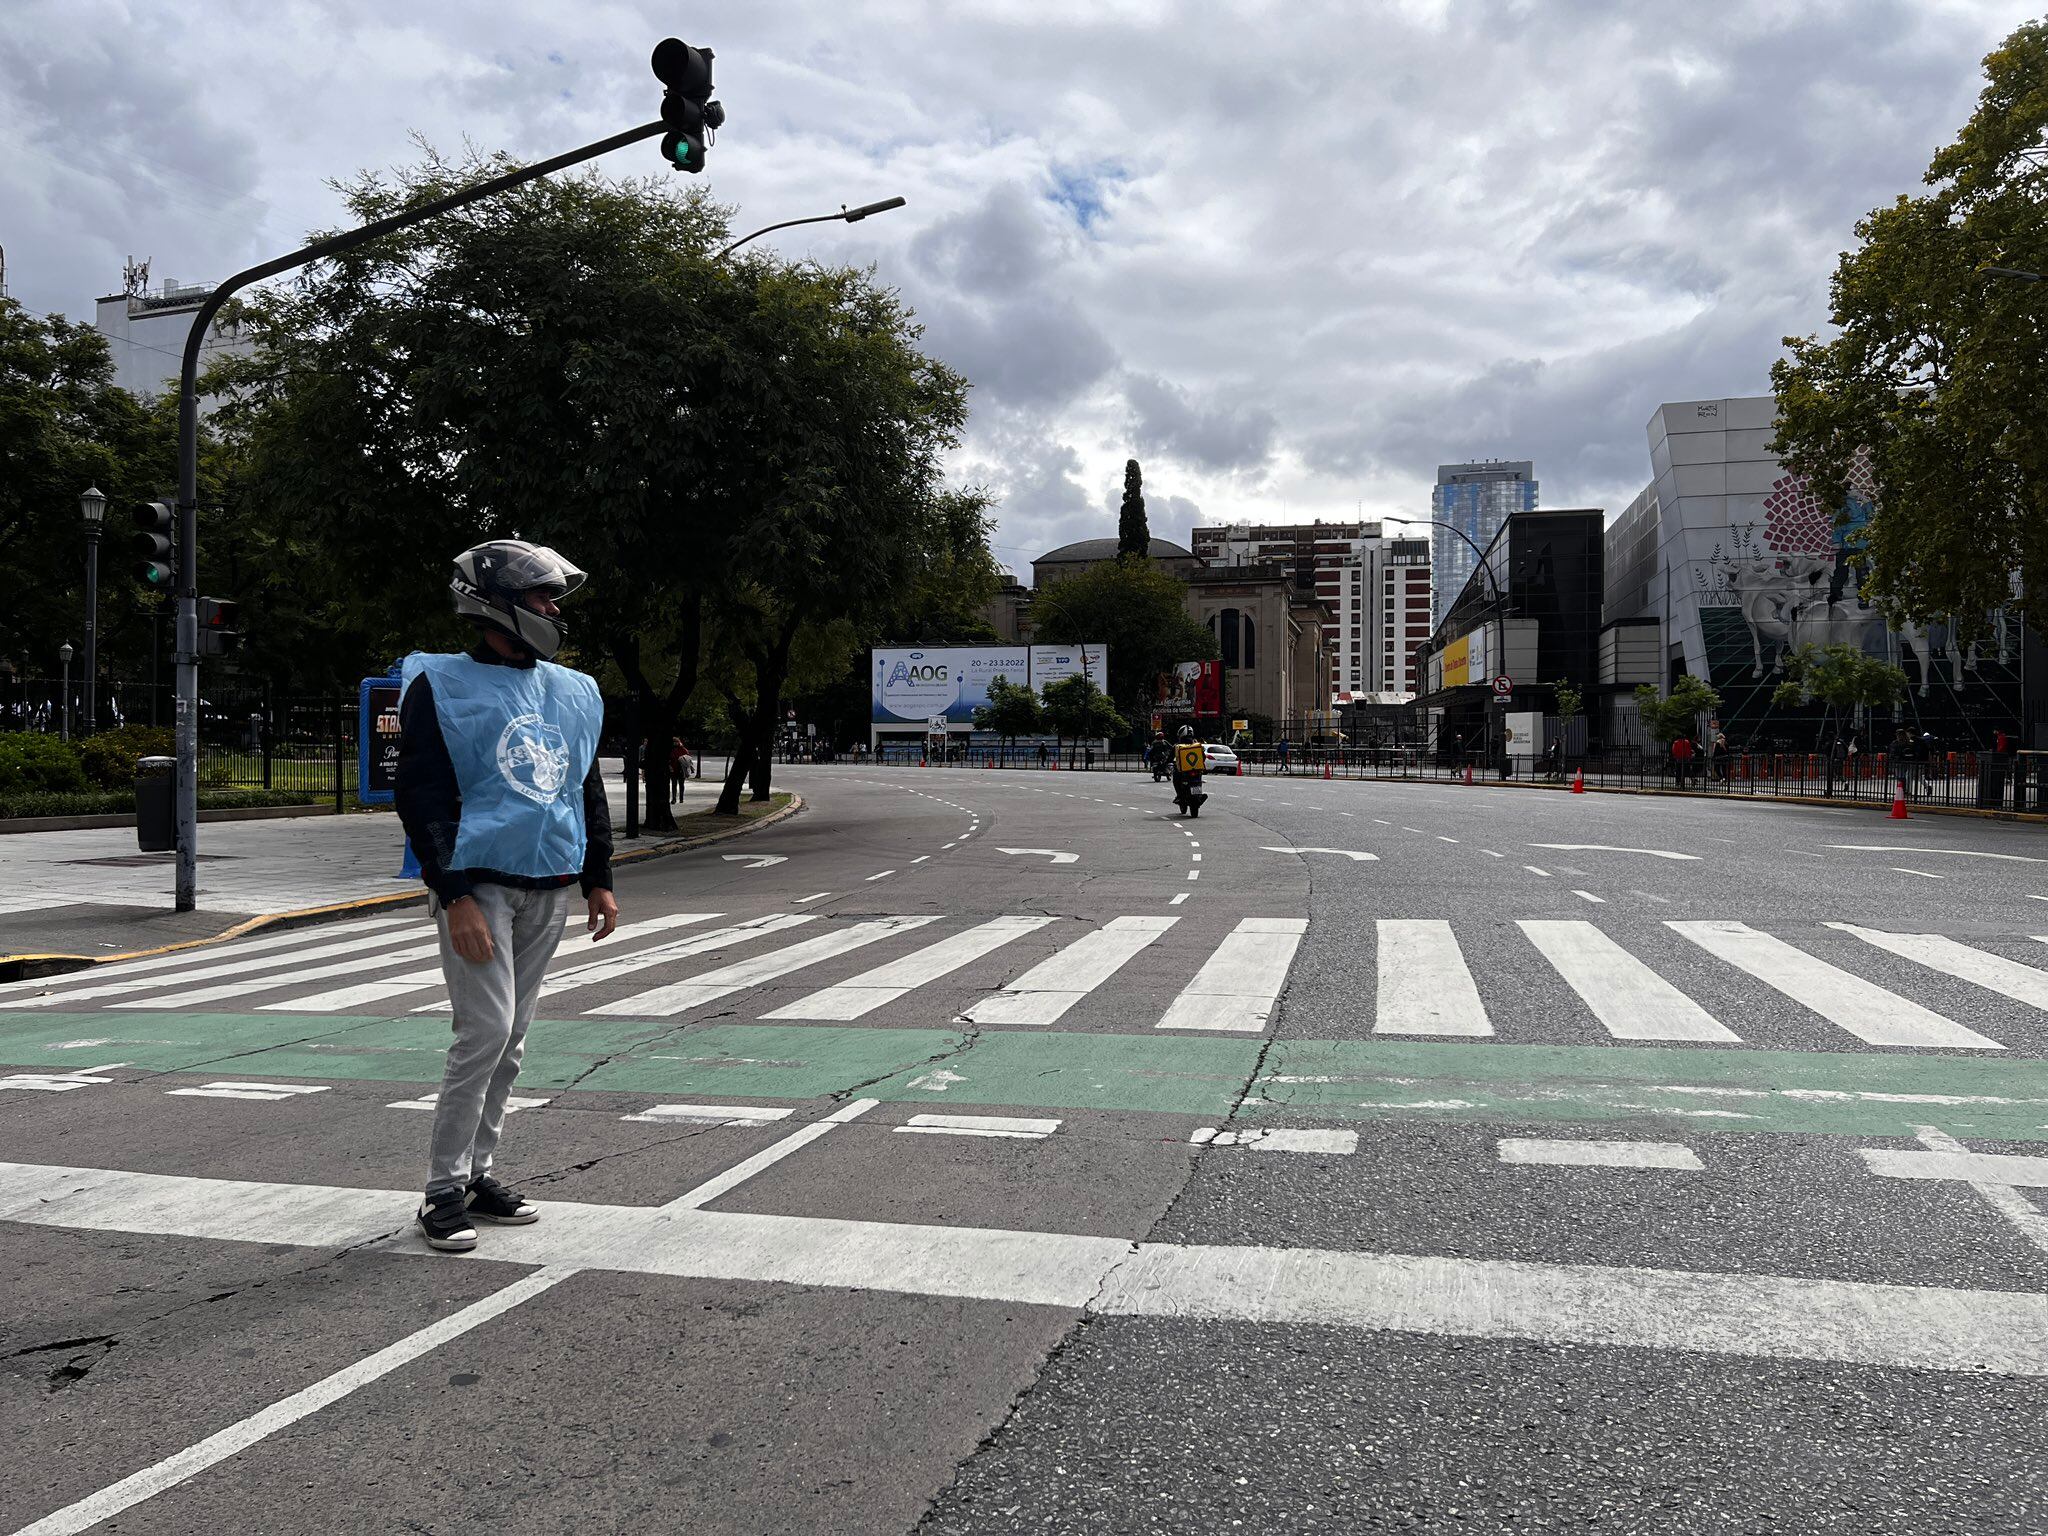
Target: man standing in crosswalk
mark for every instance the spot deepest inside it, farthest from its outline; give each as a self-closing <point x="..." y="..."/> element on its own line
<point x="500" y="795"/>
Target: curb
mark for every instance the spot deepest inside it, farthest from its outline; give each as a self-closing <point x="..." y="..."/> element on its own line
<point x="1881" y="808"/>
<point x="30" y="967"/>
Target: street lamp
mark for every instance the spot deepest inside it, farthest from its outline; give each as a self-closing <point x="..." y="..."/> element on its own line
<point x="92" y="506"/>
<point x="64" y="716"/>
<point x="848" y="215"/>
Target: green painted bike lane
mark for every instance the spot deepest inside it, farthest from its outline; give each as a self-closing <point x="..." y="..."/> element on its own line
<point x="1701" y="1088"/>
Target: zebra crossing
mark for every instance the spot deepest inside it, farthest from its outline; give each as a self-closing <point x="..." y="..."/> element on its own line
<point x="1209" y="973"/>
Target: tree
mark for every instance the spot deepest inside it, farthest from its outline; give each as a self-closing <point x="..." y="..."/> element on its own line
<point x="745" y="456"/>
<point x="1841" y="677"/>
<point x="1927" y="406"/>
<point x="1077" y="710"/>
<point x="1012" y="710"/>
<point x="1134" y="608"/>
<point x="1133" y="537"/>
<point x="1666" y="719"/>
<point x="1570" y="702"/>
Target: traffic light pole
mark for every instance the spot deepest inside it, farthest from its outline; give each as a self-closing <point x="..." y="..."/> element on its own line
<point x="187" y="633"/>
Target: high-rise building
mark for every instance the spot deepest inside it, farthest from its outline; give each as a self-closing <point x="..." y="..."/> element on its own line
<point x="1383" y="615"/>
<point x="1475" y="499"/>
<point x="146" y="333"/>
<point x="1314" y="553"/>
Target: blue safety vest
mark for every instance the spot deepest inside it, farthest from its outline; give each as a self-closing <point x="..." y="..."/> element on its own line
<point x="522" y="740"/>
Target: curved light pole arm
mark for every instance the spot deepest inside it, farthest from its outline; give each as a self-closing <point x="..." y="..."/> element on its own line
<point x="844" y="216"/>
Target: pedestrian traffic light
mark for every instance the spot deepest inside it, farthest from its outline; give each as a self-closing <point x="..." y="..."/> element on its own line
<point x="692" y="116"/>
<point x="220" y="631"/>
<point x="155" y="543"/>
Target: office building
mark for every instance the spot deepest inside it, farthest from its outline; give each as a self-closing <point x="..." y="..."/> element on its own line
<point x="1314" y="554"/>
<point x="146" y="333"/>
<point x="1382" y="615"/>
<point x="1476" y="500"/>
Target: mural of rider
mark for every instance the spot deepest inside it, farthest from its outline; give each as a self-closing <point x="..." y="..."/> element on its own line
<point x="501" y="799"/>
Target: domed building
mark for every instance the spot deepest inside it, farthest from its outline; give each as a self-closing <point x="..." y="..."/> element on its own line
<point x="1082" y="553"/>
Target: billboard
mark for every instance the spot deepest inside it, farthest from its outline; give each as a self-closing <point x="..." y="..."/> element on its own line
<point x="1191" y="688"/>
<point x="1458" y="662"/>
<point x="911" y="686"/>
<point x="1052" y="663"/>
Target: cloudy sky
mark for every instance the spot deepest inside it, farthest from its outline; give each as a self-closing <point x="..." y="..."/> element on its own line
<point x="1290" y="255"/>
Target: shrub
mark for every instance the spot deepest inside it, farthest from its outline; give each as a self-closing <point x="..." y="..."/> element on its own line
<point x="36" y="760"/>
<point x="109" y="758"/>
<point x="117" y="802"/>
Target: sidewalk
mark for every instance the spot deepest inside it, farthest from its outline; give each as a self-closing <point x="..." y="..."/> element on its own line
<point x="90" y="894"/>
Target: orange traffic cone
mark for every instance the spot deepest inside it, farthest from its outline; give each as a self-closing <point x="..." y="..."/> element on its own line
<point x="1326" y="770"/>
<point x="1899" y="807"/>
<point x="1579" y="782"/>
<point x="1468" y="773"/>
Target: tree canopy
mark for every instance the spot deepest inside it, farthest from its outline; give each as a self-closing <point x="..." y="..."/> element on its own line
<point x="1666" y="719"/>
<point x="1133" y="535"/>
<point x="1138" y="611"/>
<point x="1928" y="402"/>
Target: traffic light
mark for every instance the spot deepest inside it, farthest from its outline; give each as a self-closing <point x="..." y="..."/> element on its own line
<point x="692" y="116"/>
<point x="155" y="543"/>
<point x="220" y="621"/>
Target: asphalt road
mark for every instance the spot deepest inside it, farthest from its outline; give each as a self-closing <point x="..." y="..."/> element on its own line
<point x="1012" y="1155"/>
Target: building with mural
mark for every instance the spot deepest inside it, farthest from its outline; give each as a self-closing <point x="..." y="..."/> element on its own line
<point x="1739" y="564"/>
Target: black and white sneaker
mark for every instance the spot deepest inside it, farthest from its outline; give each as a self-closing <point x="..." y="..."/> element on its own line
<point x="491" y="1201"/>
<point x="445" y="1222"/>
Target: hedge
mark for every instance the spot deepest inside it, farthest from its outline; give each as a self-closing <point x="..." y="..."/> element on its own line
<point x="35" y="760"/>
<point x="115" y="802"/>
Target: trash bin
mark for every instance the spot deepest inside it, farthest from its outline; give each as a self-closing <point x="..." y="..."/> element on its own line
<point x="156" y="816"/>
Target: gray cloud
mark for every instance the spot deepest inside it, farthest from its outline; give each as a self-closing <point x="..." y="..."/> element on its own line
<point x="1220" y="434"/>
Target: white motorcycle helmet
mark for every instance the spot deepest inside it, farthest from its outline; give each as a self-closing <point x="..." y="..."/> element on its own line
<point x="492" y="579"/>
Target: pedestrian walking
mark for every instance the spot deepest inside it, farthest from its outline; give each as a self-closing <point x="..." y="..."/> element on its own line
<point x="500" y="795"/>
<point x="1041" y="754"/>
<point x="678" y="769"/>
<point x="1088" y="757"/>
<point x="1681" y="759"/>
<point x="1717" y="756"/>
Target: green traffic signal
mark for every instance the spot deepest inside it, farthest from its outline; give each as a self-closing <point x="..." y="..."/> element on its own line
<point x="155" y="543"/>
<point x="684" y="151"/>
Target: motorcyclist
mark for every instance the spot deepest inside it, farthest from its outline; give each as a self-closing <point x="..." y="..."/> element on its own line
<point x="1189" y="764"/>
<point x="1159" y="756"/>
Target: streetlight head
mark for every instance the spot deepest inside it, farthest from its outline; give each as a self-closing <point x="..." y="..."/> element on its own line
<point x="64" y="654"/>
<point x="855" y="215"/>
<point x="93" y="504"/>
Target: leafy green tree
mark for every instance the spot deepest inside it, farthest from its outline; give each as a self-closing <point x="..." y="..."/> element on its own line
<point x="1570" y="702"/>
<point x="1079" y="711"/>
<point x="1928" y="400"/>
<point x="745" y="456"/>
<point x="1134" y="608"/>
<point x="1133" y="536"/>
<point x="1841" y="677"/>
<point x="1666" y="719"/>
<point x="1012" y="710"/>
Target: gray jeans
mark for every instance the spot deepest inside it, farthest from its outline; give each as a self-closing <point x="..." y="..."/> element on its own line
<point x="493" y="1002"/>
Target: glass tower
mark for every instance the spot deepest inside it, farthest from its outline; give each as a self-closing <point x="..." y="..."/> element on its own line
<point x="1475" y="499"/>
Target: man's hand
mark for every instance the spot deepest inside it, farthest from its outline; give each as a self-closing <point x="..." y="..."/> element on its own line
<point x="468" y="933"/>
<point x="604" y="914"/>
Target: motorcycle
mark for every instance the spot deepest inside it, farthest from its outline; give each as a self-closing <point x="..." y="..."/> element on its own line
<point x="1188" y="793"/>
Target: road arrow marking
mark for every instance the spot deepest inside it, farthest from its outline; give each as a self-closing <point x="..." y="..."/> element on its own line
<point x="1054" y="855"/>
<point x="1655" y="853"/>
<point x="755" y="860"/>
<point x="1347" y="853"/>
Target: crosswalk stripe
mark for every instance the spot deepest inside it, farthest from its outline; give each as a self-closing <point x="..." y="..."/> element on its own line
<point x="1630" y="999"/>
<point x="681" y="996"/>
<point x="885" y="983"/>
<point x="611" y="967"/>
<point x="341" y="999"/>
<point x="1045" y="992"/>
<point x="95" y="982"/>
<point x="1238" y="985"/>
<point x="1863" y="1008"/>
<point x="1424" y="988"/>
<point x="354" y="965"/>
<point x="2008" y="978"/>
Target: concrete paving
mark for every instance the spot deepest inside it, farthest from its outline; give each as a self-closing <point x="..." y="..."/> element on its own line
<point x="1524" y="1175"/>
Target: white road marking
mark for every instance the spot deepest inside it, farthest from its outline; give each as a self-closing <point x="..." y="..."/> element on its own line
<point x="1175" y="901"/>
<point x="920" y="858"/>
<point x="1008" y="1126"/>
<point x="243" y="985"/>
<point x="1279" y="1139"/>
<point x="1863" y="1008"/>
<point x="342" y="999"/>
<point x="755" y="860"/>
<point x="1996" y="1193"/>
<point x="514" y="1103"/>
<point x="814" y="896"/>
<point x="1957" y="853"/>
<point x="1424" y="987"/>
<point x="1050" y="853"/>
<point x="267" y="1092"/>
<point x="1238" y="986"/>
<point x="1964" y="1166"/>
<point x="611" y="967"/>
<point x="119" y="981"/>
<point x="234" y="954"/>
<point x="1632" y="1001"/>
<point x="1442" y="839"/>
<point x="1355" y="855"/>
<point x="1045" y="992"/>
<point x="1599" y="1154"/>
<point x="681" y="996"/>
<point x="1924" y="874"/>
<point x="710" y="1114"/>
<point x="1596" y="900"/>
<point x="1491" y="854"/>
<point x="1655" y="853"/>
<point x="1747" y="1315"/>
<point x="51" y="1082"/>
<point x="868" y="991"/>
<point x="885" y="874"/>
<point x="265" y="1422"/>
<point x="733" y="1177"/>
<point x="2008" y="978"/>
<point x="1535" y="871"/>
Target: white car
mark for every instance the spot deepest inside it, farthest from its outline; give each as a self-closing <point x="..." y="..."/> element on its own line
<point x="1222" y="759"/>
